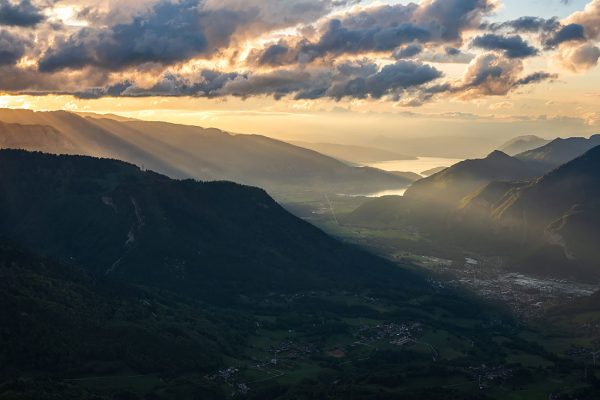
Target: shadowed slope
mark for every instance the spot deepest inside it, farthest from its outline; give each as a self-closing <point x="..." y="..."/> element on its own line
<point x="209" y="240"/>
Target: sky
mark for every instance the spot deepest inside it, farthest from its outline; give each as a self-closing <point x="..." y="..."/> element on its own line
<point x="318" y="70"/>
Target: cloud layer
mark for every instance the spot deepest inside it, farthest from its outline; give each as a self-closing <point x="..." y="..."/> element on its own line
<point x="296" y="49"/>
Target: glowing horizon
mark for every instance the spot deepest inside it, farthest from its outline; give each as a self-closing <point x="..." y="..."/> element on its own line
<point x="312" y="69"/>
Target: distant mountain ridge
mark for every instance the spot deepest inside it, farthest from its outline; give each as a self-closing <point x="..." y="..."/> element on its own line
<point x="451" y="185"/>
<point x="559" y="151"/>
<point x="354" y="154"/>
<point x="564" y="205"/>
<point x="549" y="225"/>
<point x="522" y="144"/>
<point x="182" y="151"/>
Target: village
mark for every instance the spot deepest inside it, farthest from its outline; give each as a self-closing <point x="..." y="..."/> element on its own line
<point x="491" y="278"/>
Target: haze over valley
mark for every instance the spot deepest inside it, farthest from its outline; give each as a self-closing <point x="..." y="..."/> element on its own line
<point x="299" y="200"/>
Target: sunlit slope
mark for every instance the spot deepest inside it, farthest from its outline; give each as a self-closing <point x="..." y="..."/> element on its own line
<point x="564" y="205"/>
<point x="559" y="151"/>
<point x="208" y="154"/>
<point x="449" y="186"/>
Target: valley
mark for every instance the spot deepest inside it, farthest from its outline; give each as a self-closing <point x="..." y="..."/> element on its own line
<point x="299" y="200"/>
<point x="400" y="303"/>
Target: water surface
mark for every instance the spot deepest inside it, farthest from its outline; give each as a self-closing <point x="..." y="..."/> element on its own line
<point x="418" y="166"/>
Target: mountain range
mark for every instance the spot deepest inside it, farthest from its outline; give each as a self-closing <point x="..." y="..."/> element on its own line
<point x="522" y="144"/>
<point x="451" y="185"/>
<point x="183" y="151"/>
<point x="559" y="151"/>
<point x="354" y="154"/>
<point x="119" y="283"/>
<point x="207" y="240"/>
<point x="550" y="222"/>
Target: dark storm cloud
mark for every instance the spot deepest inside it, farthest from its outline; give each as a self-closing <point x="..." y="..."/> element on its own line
<point x="348" y="80"/>
<point x="568" y="33"/>
<point x="493" y="75"/>
<point x="408" y="51"/>
<point x="526" y="24"/>
<point x="449" y="18"/>
<point x="170" y="85"/>
<point x="21" y="13"/>
<point x="338" y="39"/>
<point x="12" y="48"/>
<point x="168" y="33"/>
<point x="512" y="46"/>
<point x="383" y="29"/>
<point x="123" y="42"/>
<point x="274" y="55"/>
<point x="389" y="80"/>
<point x="536" y="78"/>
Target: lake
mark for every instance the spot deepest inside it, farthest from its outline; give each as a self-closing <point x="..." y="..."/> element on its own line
<point x="421" y="164"/>
<point x="417" y="166"/>
<point x="391" y="192"/>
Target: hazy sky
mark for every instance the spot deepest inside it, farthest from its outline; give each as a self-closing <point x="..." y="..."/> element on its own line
<point x="312" y="69"/>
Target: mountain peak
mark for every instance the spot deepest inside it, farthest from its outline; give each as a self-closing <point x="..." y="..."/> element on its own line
<point x="497" y="154"/>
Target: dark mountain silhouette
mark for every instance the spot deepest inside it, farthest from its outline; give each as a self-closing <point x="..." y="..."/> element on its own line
<point x="559" y="151"/>
<point x="522" y="144"/>
<point x="208" y="240"/>
<point x="60" y="319"/>
<point x="181" y="151"/>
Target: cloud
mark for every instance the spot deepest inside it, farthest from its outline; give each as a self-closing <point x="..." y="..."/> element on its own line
<point x="568" y="33"/>
<point x="337" y="39"/>
<point x="169" y="33"/>
<point x="165" y="33"/>
<point x="21" y="13"/>
<point x="579" y="58"/>
<point x="276" y="13"/>
<point x="391" y="79"/>
<point x="503" y="105"/>
<point x="382" y="29"/>
<point x="297" y="49"/>
<point x="449" y="18"/>
<point x="12" y="48"/>
<point x="448" y="55"/>
<point x="512" y="46"/>
<point x="589" y="18"/>
<point x="348" y="80"/>
<point x="408" y="51"/>
<point x="526" y="25"/>
<point x="536" y="77"/>
<point x="493" y="75"/>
